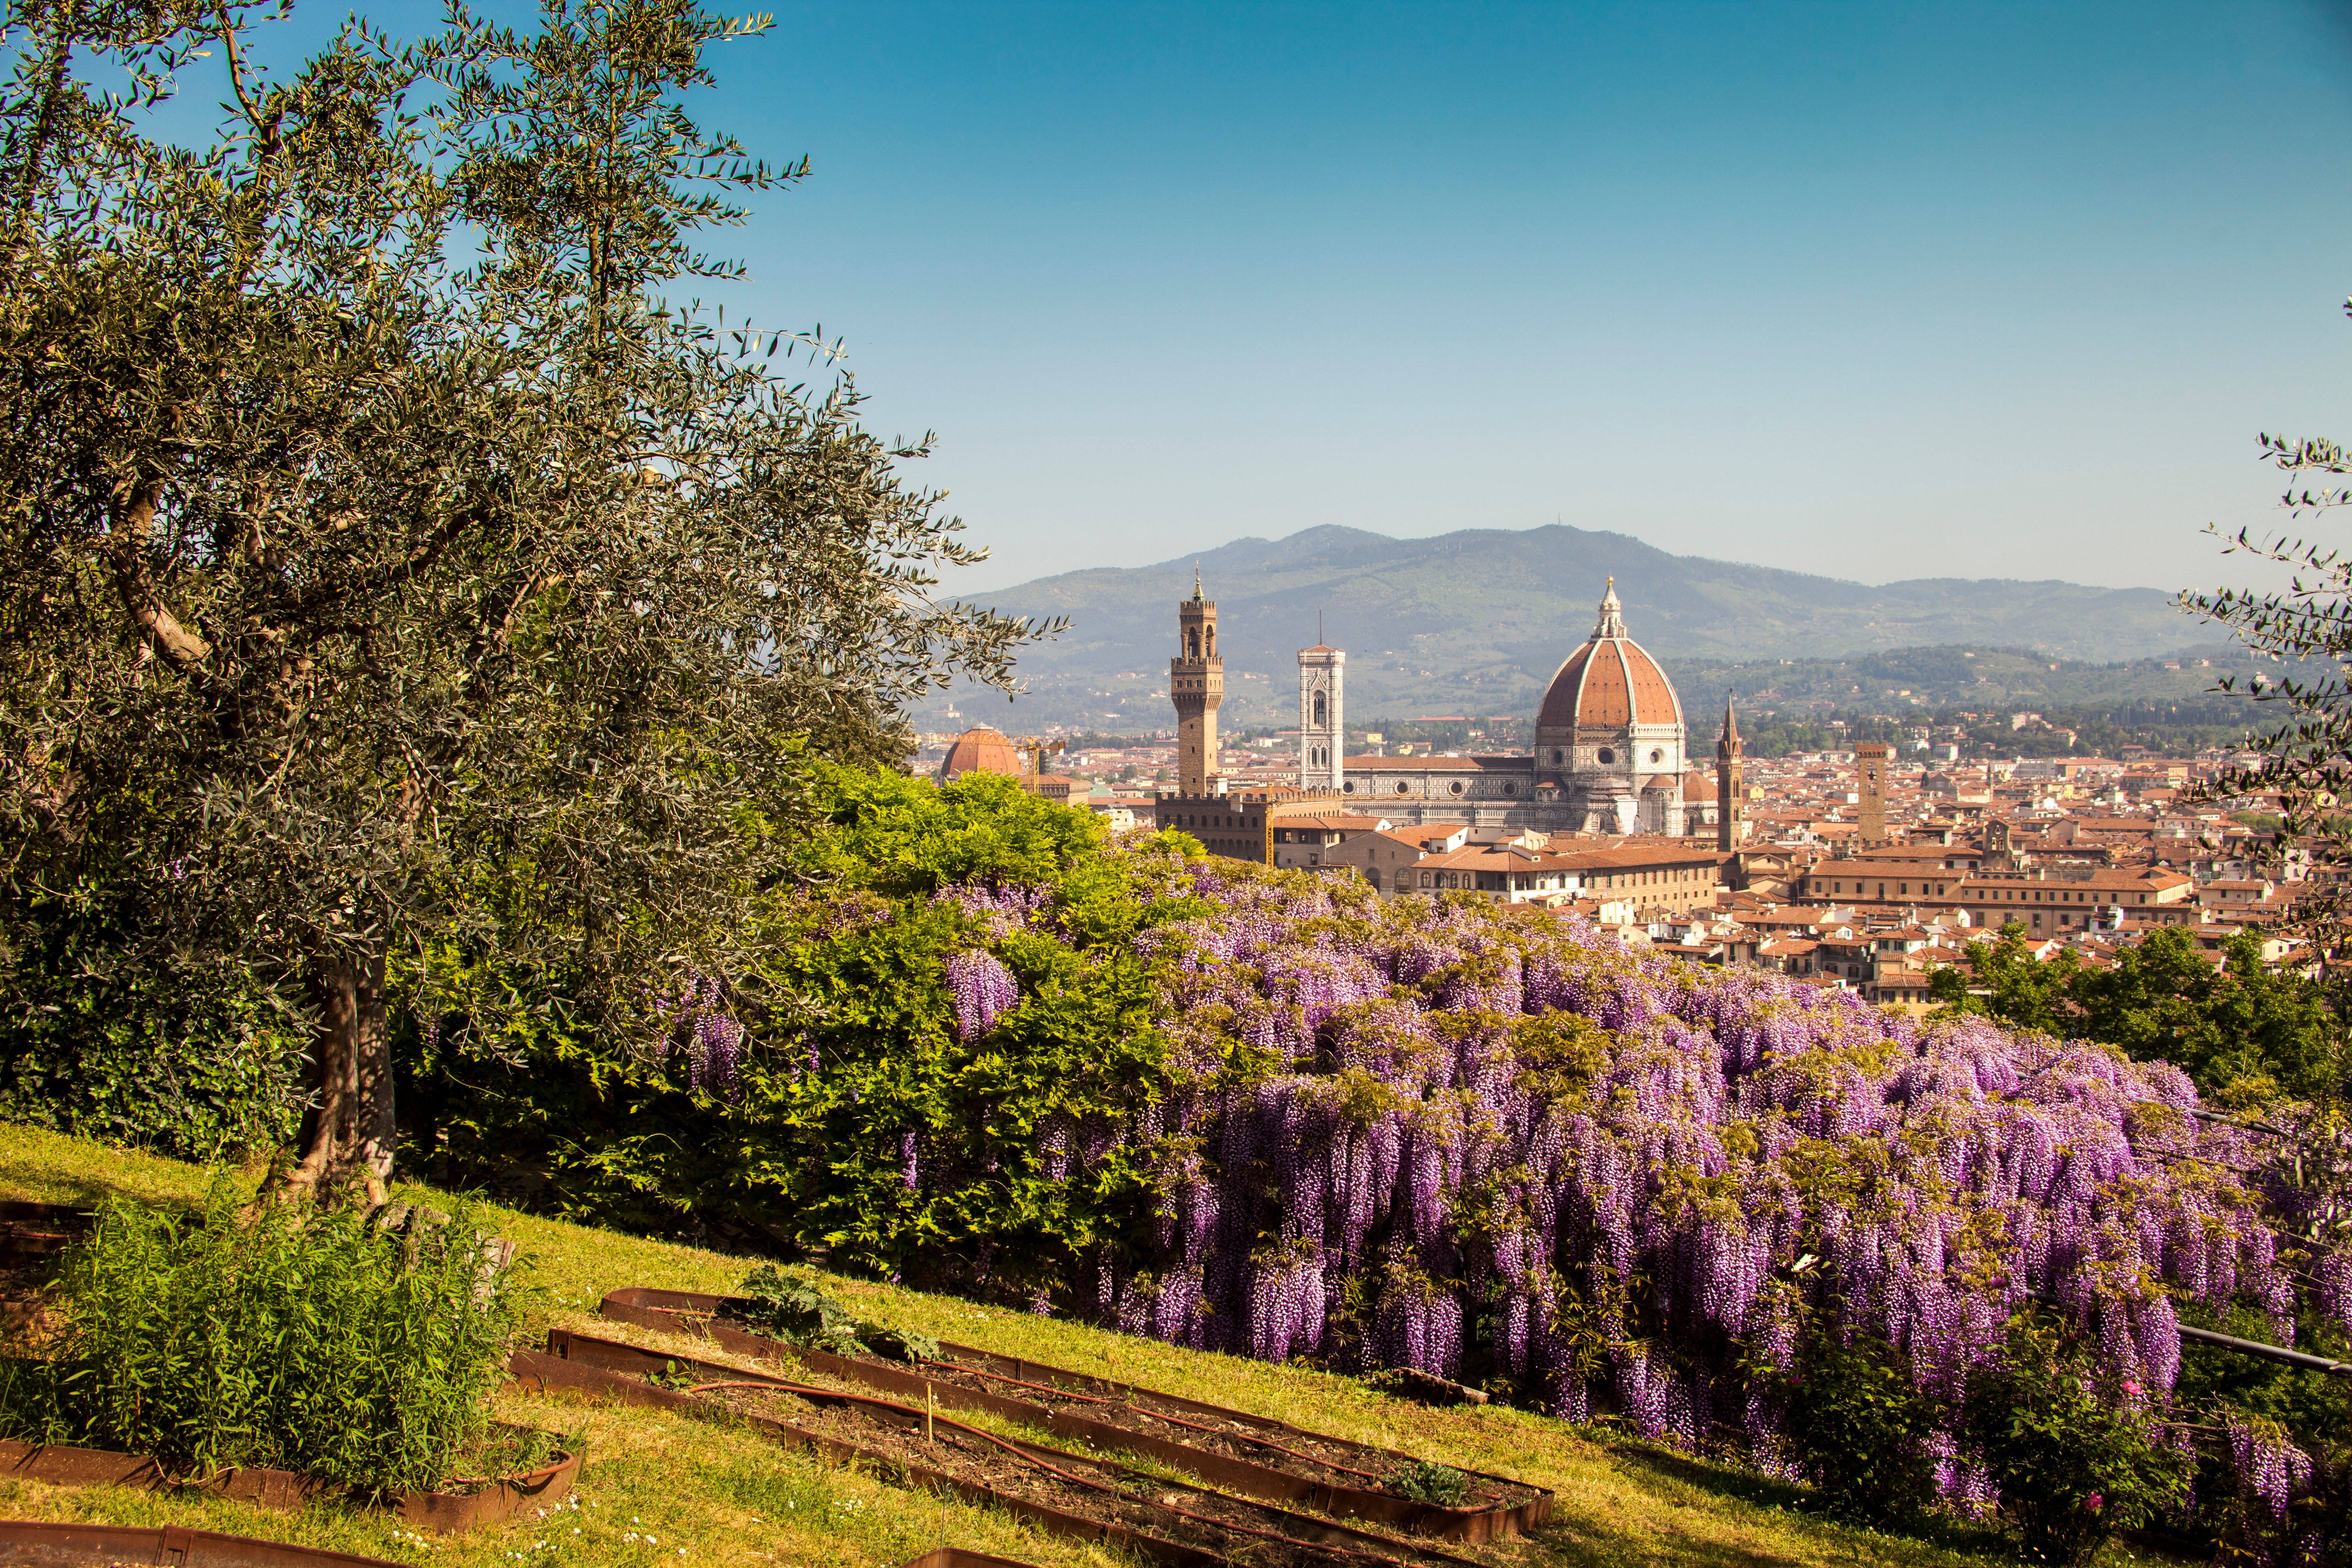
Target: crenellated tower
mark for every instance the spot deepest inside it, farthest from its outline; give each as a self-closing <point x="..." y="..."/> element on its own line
<point x="1730" y="798"/>
<point x="1322" y="721"/>
<point x="1196" y="685"/>
<point x="1871" y="760"/>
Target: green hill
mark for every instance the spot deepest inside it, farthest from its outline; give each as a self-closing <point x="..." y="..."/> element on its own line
<point x="1476" y="621"/>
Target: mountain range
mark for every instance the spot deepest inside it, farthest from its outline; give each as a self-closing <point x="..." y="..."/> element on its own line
<point x="1477" y="620"/>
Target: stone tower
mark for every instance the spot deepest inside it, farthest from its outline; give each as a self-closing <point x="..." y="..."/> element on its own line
<point x="1870" y="761"/>
<point x="1730" y="803"/>
<point x="1322" y="724"/>
<point x="1196" y="684"/>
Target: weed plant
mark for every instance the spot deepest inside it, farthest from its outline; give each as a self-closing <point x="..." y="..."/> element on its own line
<point x="311" y="1342"/>
<point x="1425" y="1480"/>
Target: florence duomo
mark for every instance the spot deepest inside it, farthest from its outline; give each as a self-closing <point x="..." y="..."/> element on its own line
<point x="1609" y="754"/>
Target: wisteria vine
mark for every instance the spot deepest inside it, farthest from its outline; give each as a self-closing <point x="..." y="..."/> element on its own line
<point x="1406" y="1133"/>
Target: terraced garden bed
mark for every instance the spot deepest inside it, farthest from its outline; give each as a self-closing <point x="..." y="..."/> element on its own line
<point x="1085" y="1496"/>
<point x="1232" y="1448"/>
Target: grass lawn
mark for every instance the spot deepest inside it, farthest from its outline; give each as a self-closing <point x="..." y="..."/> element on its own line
<point x="662" y="1489"/>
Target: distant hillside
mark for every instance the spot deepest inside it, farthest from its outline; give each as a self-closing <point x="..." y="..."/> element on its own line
<point x="1478" y="621"/>
<point x="1989" y="680"/>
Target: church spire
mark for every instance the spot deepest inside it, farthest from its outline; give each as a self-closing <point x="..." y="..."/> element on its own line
<point x="1731" y="796"/>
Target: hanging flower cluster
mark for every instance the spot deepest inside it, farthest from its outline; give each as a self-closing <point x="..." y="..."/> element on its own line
<point x="702" y="1034"/>
<point x="983" y="991"/>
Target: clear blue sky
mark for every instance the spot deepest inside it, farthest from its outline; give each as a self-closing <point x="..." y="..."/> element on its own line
<point x="1879" y="291"/>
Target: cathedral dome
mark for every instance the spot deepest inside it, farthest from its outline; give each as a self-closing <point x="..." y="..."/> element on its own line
<point x="979" y="751"/>
<point x="1611" y="682"/>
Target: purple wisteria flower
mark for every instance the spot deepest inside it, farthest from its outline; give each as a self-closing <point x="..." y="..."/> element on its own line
<point x="983" y="989"/>
<point x="702" y="1034"/>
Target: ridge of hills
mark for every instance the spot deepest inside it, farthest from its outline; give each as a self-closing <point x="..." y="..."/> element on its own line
<point x="1478" y="620"/>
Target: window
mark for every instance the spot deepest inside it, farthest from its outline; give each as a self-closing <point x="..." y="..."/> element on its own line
<point x="1399" y="786"/>
<point x="1456" y="786"/>
<point x="1556" y="757"/>
<point x="1656" y="755"/>
<point x="1606" y="755"/>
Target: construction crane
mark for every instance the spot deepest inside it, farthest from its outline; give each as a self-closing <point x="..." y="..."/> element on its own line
<point x="1033" y="753"/>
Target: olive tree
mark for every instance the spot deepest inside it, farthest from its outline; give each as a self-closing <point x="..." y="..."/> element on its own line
<point x="390" y="553"/>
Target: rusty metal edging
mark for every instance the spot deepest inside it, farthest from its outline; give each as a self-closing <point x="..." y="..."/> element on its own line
<point x="614" y="1358"/>
<point x="440" y="1512"/>
<point x="41" y="1545"/>
<point x="649" y="1308"/>
<point x="957" y="1557"/>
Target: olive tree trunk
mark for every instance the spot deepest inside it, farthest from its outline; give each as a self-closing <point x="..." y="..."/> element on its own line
<point x="348" y="1133"/>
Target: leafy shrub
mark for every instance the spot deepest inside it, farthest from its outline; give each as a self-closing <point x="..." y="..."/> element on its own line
<point x="2072" y="1462"/>
<point x="317" y="1345"/>
<point x="1425" y="1480"/>
<point x="105" y="1034"/>
<point x="789" y="1305"/>
<point x="1859" y="1428"/>
<point x="899" y="1345"/>
<point x="858" y="1118"/>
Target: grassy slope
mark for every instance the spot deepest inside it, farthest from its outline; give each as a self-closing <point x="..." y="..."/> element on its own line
<point x="661" y="1489"/>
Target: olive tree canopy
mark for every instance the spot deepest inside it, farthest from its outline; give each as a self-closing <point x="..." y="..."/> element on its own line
<point x="378" y="524"/>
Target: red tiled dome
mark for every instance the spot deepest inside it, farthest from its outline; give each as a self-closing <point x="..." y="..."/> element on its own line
<point x="979" y="751"/>
<point x="1609" y="682"/>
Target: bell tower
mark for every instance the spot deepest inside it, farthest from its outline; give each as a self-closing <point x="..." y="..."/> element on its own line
<point x="1322" y="723"/>
<point x="1871" y="760"/>
<point x="1196" y="685"/>
<point x="1730" y="798"/>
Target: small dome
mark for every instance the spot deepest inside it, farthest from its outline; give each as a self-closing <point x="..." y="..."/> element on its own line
<point x="979" y="751"/>
<point x="1611" y="682"/>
